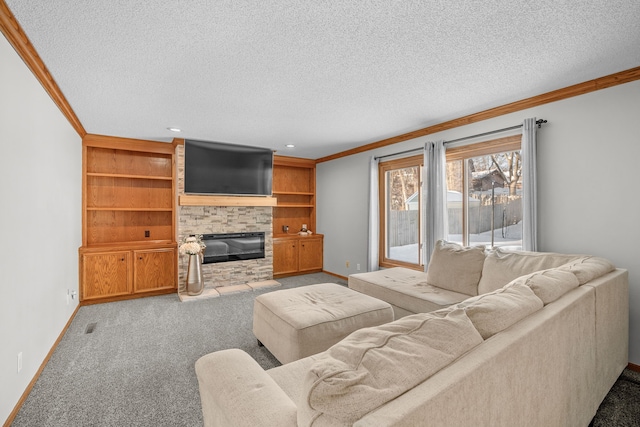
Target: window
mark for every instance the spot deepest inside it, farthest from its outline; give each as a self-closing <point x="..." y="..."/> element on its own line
<point x="484" y="200"/>
<point x="400" y="208"/>
<point x="484" y="196"/>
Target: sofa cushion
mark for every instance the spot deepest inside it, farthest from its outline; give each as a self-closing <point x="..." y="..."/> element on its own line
<point x="588" y="268"/>
<point x="493" y="312"/>
<point x="235" y="390"/>
<point x="501" y="267"/>
<point x="549" y="285"/>
<point x="375" y="365"/>
<point x="456" y="268"/>
<point x="404" y="288"/>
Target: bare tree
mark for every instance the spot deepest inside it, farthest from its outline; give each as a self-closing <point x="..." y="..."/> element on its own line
<point x="511" y="169"/>
<point x="403" y="182"/>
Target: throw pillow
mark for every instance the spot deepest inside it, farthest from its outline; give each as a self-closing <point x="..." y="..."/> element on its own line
<point x="373" y="366"/>
<point x="588" y="268"/>
<point x="549" y="285"/>
<point x="501" y="266"/>
<point x="456" y="268"/>
<point x="496" y="311"/>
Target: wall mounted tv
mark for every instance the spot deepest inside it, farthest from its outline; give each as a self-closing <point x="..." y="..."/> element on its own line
<point x="229" y="169"/>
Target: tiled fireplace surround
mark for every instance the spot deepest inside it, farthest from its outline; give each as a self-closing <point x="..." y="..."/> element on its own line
<point x="224" y="219"/>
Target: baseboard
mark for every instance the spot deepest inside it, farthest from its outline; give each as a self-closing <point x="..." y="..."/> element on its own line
<point x="24" y="396"/>
<point x="633" y="367"/>
<point x="129" y="296"/>
<point x="335" y="275"/>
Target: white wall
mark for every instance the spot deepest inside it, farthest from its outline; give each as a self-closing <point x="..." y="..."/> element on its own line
<point x="40" y="224"/>
<point x="588" y="157"/>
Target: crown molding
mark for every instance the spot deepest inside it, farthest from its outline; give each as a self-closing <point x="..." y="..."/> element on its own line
<point x="556" y="95"/>
<point x="11" y="29"/>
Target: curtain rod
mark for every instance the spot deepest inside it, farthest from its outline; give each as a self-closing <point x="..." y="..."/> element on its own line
<point x="539" y="122"/>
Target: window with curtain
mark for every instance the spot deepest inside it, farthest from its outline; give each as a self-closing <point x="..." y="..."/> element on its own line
<point x="484" y="197"/>
<point x="400" y="212"/>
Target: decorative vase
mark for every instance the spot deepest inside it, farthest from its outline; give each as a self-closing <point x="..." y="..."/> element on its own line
<point x="195" y="284"/>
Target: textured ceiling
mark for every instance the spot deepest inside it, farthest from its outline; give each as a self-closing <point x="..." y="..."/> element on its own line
<point x="326" y="76"/>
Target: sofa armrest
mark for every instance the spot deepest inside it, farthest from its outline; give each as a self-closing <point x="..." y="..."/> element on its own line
<point x="236" y="391"/>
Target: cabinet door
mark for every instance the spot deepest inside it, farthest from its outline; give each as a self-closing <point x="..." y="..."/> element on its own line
<point x="105" y="274"/>
<point x="154" y="269"/>
<point x="285" y="256"/>
<point x="310" y="254"/>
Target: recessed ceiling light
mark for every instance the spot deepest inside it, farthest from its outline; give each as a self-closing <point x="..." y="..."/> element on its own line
<point x="290" y="146"/>
<point x="175" y="129"/>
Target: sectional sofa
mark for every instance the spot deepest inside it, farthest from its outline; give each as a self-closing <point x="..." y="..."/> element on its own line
<point x="543" y="348"/>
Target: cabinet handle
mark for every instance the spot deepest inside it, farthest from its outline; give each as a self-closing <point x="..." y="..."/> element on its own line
<point x="140" y="258"/>
<point x="121" y="259"/>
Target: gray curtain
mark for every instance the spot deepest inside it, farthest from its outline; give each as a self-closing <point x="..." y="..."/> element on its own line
<point x="529" y="186"/>
<point x="374" y="216"/>
<point x="434" y="211"/>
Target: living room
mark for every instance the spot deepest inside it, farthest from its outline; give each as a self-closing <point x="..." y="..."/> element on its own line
<point x="587" y="168"/>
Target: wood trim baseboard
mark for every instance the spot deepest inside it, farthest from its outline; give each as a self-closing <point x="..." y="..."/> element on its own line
<point x="12" y="30"/>
<point x="553" y="96"/>
<point x="633" y="367"/>
<point x="126" y="297"/>
<point x="24" y="396"/>
<point x="345" y="278"/>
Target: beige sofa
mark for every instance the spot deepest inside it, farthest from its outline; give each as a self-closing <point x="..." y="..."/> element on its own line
<point x="544" y="349"/>
<point x="455" y="273"/>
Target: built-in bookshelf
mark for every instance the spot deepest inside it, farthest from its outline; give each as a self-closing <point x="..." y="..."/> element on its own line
<point x="128" y="231"/>
<point x="294" y="185"/>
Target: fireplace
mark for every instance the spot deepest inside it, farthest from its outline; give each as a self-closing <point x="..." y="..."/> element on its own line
<point x="233" y="247"/>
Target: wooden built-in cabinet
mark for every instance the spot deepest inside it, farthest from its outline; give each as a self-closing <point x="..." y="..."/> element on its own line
<point x="128" y="224"/>
<point x="297" y="255"/>
<point x="294" y="185"/>
<point x="114" y="273"/>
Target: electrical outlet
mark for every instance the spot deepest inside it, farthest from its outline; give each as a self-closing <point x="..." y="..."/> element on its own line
<point x="68" y="296"/>
<point x="19" y="362"/>
<point x="347" y="264"/>
<point x="285" y="228"/>
<point x="358" y="267"/>
<point x="147" y="233"/>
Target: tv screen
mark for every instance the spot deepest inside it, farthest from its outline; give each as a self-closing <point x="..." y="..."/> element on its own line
<point x="220" y="168"/>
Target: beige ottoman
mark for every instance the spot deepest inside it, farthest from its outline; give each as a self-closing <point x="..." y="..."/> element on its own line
<point x="296" y="323"/>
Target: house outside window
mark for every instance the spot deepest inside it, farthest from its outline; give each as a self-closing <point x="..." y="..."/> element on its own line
<point x="484" y="198"/>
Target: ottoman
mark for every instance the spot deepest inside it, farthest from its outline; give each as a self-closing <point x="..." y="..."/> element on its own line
<point x="296" y="323"/>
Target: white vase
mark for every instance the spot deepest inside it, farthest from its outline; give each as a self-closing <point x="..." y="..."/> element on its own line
<point x="195" y="284"/>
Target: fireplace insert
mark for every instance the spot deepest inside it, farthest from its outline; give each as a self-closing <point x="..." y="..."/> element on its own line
<point x="233" y="247"/>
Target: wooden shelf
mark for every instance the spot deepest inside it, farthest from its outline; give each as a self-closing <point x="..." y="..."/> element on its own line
<point x="119" y="175"/>
<point x="199" y="200"/>
<point x="293" y="193"/>
<point x="131" y="209"/>
<point x="146" y="244"/>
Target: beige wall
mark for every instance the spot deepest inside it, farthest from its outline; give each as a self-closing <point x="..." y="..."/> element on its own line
<point x="41" y="209"/>
<point x="588" y="158"/>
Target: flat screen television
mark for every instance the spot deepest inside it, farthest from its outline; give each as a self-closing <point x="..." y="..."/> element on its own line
<point x="227" y="169"/>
